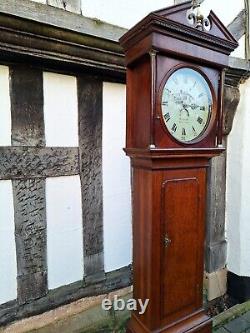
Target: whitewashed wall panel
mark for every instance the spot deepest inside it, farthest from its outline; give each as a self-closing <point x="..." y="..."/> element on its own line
<point x="5" y="114"/>
<point x="8" y="266"/>
<point x="60" y="110"/>
<point x="238" y="195"/>
<point x="64" y="230"/>
<point x="122" y="13"/>
<point x="226" y="10"/>
<point x="116" y="180"/>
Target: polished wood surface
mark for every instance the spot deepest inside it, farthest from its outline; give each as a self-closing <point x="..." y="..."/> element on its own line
<point x="168" y="202"/>
<point x="169" y="177"/>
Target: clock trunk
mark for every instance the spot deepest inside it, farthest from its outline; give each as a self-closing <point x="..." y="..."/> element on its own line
<point x="168" y="232"/>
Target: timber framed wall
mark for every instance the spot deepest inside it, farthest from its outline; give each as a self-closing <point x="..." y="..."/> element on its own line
<point x="36" y="56"/>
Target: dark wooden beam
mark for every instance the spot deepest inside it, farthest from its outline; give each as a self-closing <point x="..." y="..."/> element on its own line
<point x="27" y="106"/>
<point x="118" y="279"/>
<point x="31" y="240"/>
<point x="39" y="13"/>
<point x="216" y="245"/>
<point x="36" y="162"/>
<point x="26" y="91"/>
<point x="238" y="26"/>
<point x="48" y="36"/>
<point x="238" y="71"/>
<point x="90" y="136"/>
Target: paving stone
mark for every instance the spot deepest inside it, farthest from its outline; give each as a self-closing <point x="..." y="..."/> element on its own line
<point x="246" y="316"/>
<point x="221" y="330"/>
<point x="238" y="325"/>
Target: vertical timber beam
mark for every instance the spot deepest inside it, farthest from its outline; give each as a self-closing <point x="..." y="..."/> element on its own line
<point x="216" y="245"/>
<point x="26" y="89"/>
<point x="90" y="136"/>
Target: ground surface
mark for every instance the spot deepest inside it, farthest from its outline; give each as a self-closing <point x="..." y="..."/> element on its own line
<point x="237" y="325"/>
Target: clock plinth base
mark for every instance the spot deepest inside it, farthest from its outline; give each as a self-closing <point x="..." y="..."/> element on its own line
<point x="199" y="323"/>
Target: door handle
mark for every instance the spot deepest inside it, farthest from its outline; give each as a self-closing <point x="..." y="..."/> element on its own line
<point x="167" y="241"/>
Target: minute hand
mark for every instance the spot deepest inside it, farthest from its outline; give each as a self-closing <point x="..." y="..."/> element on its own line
<point x="185" y="108"/>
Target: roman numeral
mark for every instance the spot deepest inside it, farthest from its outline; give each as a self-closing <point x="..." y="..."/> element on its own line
<point x="194" y="130"/>
<point x="200" y="120"/>
<point x="184" y="132"/>
<point x="174" y="128"/>
<point x="202" y="94"/>
<point x="167" y="117"/>
<point x="202" y="108"/>
<point x="165" y="103"/>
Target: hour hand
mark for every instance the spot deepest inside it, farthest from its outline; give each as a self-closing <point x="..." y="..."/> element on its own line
<point x="185" y="108"/>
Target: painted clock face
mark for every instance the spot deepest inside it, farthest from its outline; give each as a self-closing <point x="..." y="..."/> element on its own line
<point x="186" y="105"/>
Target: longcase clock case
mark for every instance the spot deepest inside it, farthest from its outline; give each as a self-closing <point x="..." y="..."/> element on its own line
<point x="169" y="177"/>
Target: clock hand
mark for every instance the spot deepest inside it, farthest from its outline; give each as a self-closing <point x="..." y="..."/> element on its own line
<point x="184" y="108"/>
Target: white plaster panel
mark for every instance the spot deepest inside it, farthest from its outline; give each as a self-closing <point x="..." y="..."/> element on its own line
<point x="226" y="10"/>
<point x="240" y="51"/>
<point x="5" y="114"/>
<point x="60" y="110"/>
<point x="245" y="197"/>
<point x="122" y="13"/>
<point x="227" y="16"/>
<point x="64" y="230"/>
<point x="116" y="180"/>
<point x="238" y="197"/>
<point x="127" y="13"/>
<point x="8" y="265"/>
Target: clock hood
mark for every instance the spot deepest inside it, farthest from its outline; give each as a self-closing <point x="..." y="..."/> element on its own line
<point x="172" y="21"/>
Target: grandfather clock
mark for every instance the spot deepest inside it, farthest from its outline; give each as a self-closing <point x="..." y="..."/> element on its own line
<point x="175" y="62"/>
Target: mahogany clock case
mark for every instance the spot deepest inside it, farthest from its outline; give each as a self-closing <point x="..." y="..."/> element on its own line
<point x="168" y="244"/>
<point x="169" y="177"/>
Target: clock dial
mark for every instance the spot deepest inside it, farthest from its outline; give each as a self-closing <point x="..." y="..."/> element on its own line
<point x="186" y="105"/>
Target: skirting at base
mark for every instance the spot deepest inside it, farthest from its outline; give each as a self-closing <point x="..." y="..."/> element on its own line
<point x="196" y="323"/>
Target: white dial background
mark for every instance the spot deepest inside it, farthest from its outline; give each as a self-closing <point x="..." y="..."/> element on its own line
<point x="186" y="104"/>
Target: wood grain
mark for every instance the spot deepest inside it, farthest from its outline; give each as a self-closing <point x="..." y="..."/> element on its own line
<point x="33" y="162"/>
<point x="29" y="194"/>
<point x="90" y="145"/>
<point x="26" y="89"/>
<point x="30" y="231"/>
<point x="238" y="26"/>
